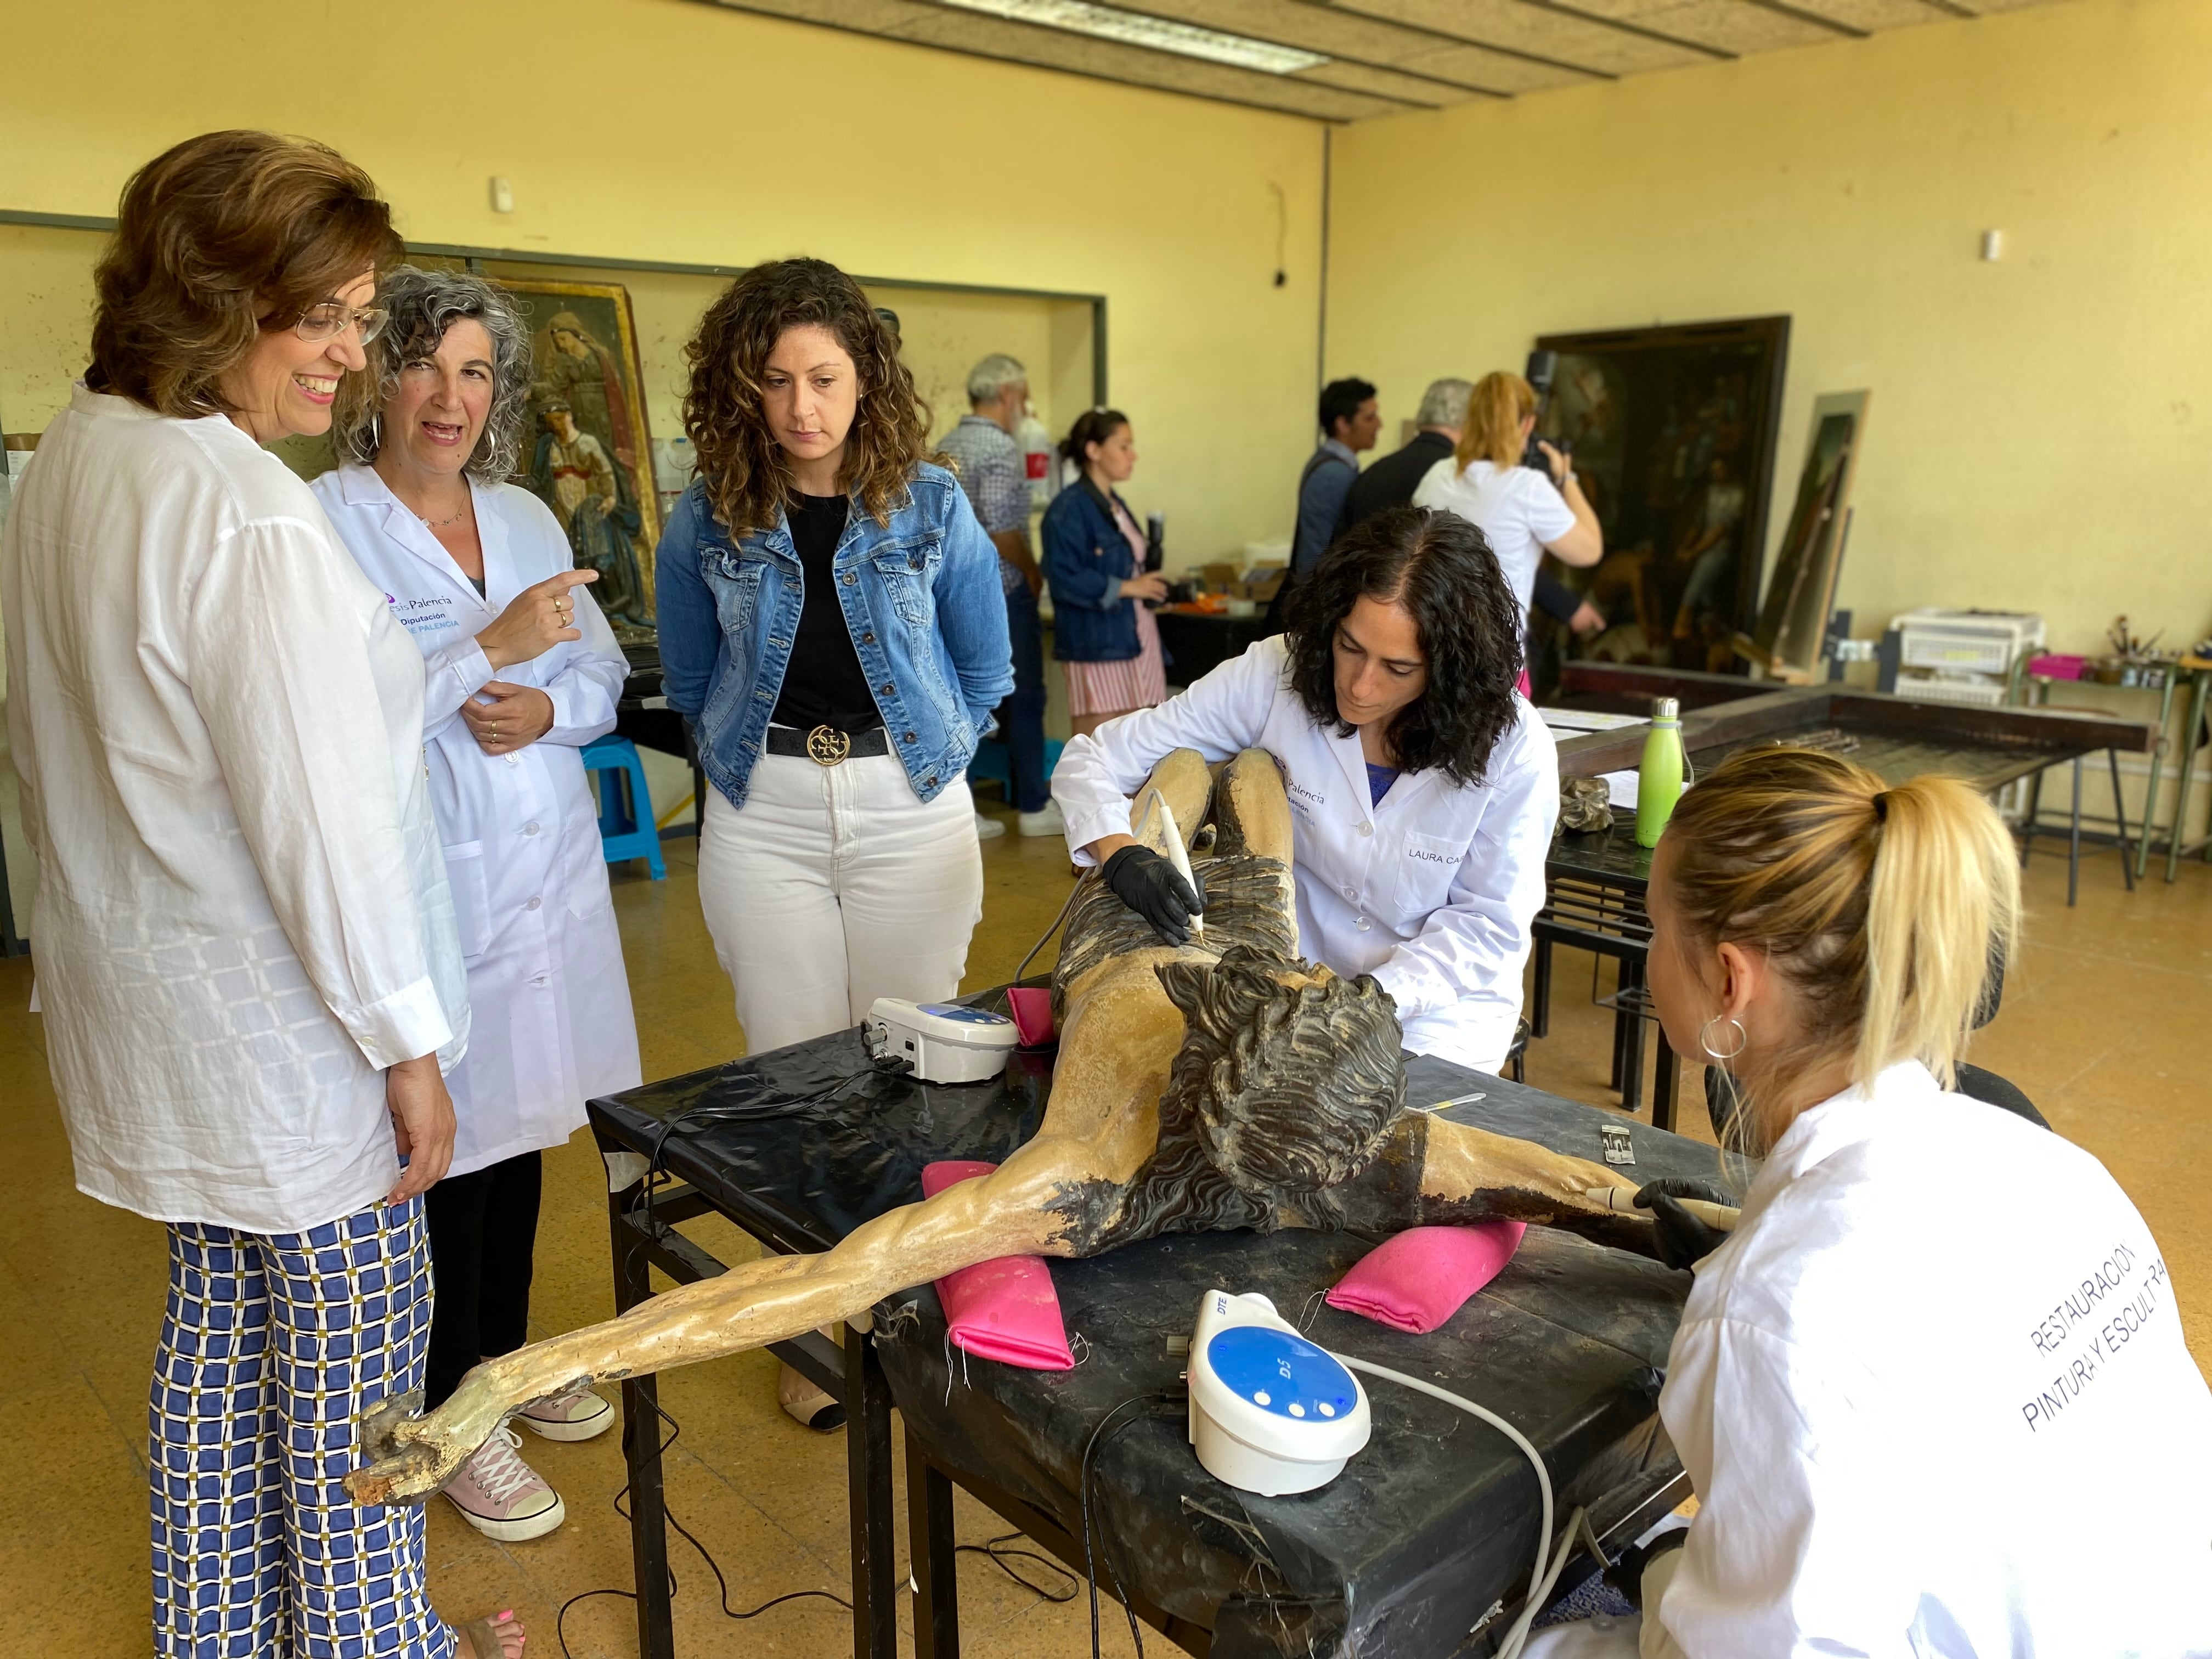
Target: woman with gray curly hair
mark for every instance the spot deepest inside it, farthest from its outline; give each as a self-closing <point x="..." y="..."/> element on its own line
<point x="522" y="671"/>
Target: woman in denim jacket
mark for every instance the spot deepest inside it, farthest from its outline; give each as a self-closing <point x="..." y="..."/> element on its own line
<point x="832" y="628"/>
<point x="1094" y="557"/>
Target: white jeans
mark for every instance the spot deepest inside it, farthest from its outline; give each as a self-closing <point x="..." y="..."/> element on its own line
<point x="834" y="885"/>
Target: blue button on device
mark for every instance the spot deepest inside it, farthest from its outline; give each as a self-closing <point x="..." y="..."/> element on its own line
<point x="1282" y="1374"/>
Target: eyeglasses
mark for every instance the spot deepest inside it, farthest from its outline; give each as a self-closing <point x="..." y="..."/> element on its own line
<point x="331" y="319"/>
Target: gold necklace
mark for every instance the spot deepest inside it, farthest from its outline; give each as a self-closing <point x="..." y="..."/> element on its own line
<point x="442" y="524"/>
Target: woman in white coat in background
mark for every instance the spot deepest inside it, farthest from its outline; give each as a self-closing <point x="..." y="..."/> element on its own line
<point x="523" y="671"/>
<point x="1932" y="1391"/>
<point x="1423" y="789"/>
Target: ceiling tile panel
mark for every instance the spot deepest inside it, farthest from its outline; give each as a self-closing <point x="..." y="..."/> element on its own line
<point x="920" y="24"/>
<point x="1734" y="26"/>
<point x="1386" y="56"/>
<point x="1884" y="14"/>
<point x="1558" y="34"/>
<point x="1340" y="35"/>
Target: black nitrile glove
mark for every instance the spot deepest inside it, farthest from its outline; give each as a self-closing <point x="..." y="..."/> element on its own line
<point x="1156" y="890"/>
<point x="1684" y="1240"/>
<point x="1626" y="1572"/>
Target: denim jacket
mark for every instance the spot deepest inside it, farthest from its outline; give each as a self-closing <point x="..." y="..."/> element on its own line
<point x="1086" y="560"/>
<point x="921" y="597"/>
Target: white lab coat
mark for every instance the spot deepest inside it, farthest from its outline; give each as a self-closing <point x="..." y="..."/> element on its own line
<point x="1933" y="1397"/>
<point x="1433" y="891"/>
<point x="549" y="1003"/>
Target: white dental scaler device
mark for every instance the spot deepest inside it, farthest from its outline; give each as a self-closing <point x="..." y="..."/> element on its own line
<point x="1270" y="1412"/>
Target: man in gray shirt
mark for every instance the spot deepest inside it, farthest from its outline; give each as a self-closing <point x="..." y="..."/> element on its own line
<point x="993" y="472"/>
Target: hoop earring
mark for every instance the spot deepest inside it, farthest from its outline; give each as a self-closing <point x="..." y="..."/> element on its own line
<point x="1706" y="1039"/>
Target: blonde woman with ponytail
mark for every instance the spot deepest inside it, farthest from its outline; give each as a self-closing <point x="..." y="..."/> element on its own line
<point x="1523" y="512"/>
<point x="1932" y="1391"/>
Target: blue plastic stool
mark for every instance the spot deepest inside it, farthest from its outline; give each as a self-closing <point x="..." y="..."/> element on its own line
<point x="626" y="827"/>
<point x="994" y="762"/>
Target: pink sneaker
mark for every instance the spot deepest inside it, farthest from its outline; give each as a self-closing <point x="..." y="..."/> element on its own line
<point x="579" y="1414"/>
<point x="501" y="1496"/>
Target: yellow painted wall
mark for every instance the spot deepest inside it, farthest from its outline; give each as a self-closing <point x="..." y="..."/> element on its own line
<point x="2040" y="435"/>
<point x="664" y="130"/>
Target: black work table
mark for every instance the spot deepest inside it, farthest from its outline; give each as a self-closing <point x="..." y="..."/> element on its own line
<point x="1424" y="1532"/>
<point x="1595" y="881"/>
<point x="1195" y="642"/>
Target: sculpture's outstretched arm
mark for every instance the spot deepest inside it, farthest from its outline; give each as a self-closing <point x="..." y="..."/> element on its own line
<point x="1015" y="1211"/>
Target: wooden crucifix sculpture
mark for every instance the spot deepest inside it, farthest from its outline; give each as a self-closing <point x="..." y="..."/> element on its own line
<point x="1215" y="1084"/>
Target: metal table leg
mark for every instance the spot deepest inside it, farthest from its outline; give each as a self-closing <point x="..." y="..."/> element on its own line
<point x="1666" y="1080"/>
<point x="2120" y="815"/>
<point x="648" y="1514"/>
<point x="2074" y="839"/>
<point x="2028" y="823"/>
<point x="2157" y="765"/>
<point x="2197" y="697"/>
<point x="930" y="1545"/>
<point x="868" y="1498"/>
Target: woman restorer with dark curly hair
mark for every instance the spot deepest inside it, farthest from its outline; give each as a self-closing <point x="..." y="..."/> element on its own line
<point x="1423" y="788"/>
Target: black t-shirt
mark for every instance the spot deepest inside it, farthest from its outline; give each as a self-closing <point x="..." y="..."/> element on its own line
<point x="823" y="685"/>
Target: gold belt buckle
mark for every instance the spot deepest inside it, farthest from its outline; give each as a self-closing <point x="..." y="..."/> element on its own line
<point x="826" y="746"/>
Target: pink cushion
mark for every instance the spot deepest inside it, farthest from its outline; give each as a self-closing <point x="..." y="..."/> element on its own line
<point x="1032" y="1008"/>
<point x="1419" y="1280"/>
<point x="1005" y="1309"/>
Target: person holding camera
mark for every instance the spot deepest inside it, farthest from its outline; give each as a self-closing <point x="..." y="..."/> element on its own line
<point x="1523" y="511"/>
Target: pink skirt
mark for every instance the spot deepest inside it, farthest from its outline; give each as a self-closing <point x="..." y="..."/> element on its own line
<point x="1116" y="688"/>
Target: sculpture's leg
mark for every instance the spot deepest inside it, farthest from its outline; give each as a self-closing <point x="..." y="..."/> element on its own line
<point x="1010" y="1212"/>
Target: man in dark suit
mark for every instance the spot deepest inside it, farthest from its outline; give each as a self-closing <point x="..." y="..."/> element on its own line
<point x="1392" y="480"/>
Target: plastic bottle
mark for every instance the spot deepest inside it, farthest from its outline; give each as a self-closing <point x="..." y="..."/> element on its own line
<point x="1659" y="778"/>
<point x="1036" y="458"/>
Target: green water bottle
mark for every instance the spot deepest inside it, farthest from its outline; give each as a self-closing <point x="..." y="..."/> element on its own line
<point x="1659" y="778"/>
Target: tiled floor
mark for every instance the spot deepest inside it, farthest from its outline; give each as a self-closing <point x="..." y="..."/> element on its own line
<point x="2105" y="1026"/>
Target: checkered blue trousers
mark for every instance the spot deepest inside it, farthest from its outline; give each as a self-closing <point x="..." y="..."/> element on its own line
<point x="272" y="1346"/>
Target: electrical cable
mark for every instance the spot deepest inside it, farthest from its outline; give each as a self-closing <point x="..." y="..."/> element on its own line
<point x="990" y="1548"/>
<point x="675" y="1432"/>
<point x="1162" y="1396"/>
<point x="1545" y="1572"/>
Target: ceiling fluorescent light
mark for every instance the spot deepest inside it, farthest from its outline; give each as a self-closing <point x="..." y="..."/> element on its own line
<point x="1133" y="29"/>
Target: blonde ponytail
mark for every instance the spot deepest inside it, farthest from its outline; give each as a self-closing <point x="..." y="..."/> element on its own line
<point x="1888" y="910"/>
<point x="1944" y="904"/>
<point x="1491" y="432"/>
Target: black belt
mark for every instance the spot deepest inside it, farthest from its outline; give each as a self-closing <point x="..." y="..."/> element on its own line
<point x="826" y="746"/>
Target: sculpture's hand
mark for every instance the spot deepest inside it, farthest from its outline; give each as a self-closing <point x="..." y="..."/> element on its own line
<point x="1684" y="1241"/>
<point x="1156" y="890"/>
<point x="410" y="1456"/>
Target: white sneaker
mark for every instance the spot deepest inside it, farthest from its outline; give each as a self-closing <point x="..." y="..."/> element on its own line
<point x="1045" y="821"/>
<point x="579" y="1414"/>
<point x="501" y="1496"/>
<point x="988" y="829"/>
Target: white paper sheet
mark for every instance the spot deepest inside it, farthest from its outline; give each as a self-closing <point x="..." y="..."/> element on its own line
<point x="1620" y="786"/>
<point x="1587" y="720"/>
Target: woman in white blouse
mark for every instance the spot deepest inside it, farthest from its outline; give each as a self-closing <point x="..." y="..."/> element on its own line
<point x="247" y="956"/>
<point x="1525" y="513"/>
<point x="523" y="671"/>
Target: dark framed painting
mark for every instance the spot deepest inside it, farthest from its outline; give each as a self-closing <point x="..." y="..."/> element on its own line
<point x="1672" y="431"/>
<point x="1793" y="623"/>
<point x="585" y="452"/>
